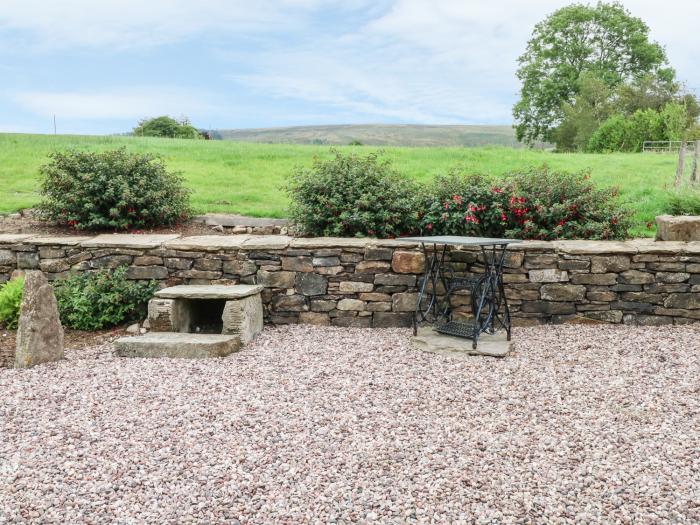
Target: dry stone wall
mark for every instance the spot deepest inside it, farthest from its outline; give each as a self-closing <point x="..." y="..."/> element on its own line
<point x="373" y="283"/>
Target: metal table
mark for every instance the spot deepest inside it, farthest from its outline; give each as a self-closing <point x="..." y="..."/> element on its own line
<point x="488" y="299"/>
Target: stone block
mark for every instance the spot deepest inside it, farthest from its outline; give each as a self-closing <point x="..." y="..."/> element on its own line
<point x="686" y="301"/>
<point x="388" y="320"/>
<point x="351" y="304"/>
<point x="148" y="260"/>
<point x="677" y="228"/>
<point x="314" y="318"/>
<point x="375" y="253"/>
<point x="208" y="265"/>
<point x="610" y="316"/>
<point x="146" y="272"/>
<point x="540" y="261"/>
<point x="290" y="303"/>
<point x="672" y="277"/>
<point x="613" y="263"/>
<point x="547" y="307"/>
<point x="646" y="320"/>
<point x="378" y="307"/>
<point x="7" y="258"/>
<point x="666" y="266"/>
<point x="326" y="261"/>
<point x="243" y="318"/>
<point x="601" y="295"/>
<point x="322" y="305"/>
<point x="372" y="267"/>
<point x="636" y="277"/>
<point x="28" y="260"/>
<point x="632" y="306"/>
<point x="311" y="284"/>
<point x="352" y="322"/>
<point x="39" y="331"/>
<point x="549" y="275"/>
<point x="177" y="345"/>
<point x="160" y="315"/>
<point x="53" y="265"/>
<point x="404" y="302"/>
<point x="408" y="262"/>
<point x="563" y="292"/>
<point x="350" y="257"/>
<point x="329" y="270"/>
<point x="242" y="268"/>
<point x="390" y="279"/>
<point x="642" y="297"/>
<point x="297" y="264"/>
<point x="374" y="296"/>
<point x="355" y="287"/>
<point x="111" y="261"/>
<point x="280" y="279"/>
<point x="47" y="252"/>
<point x="178" y="263"/>
<point x="601" y="279"/>
<point x="574" y="264"/>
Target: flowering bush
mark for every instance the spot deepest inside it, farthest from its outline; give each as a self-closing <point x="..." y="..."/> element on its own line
<point x="111" y="190"/>
<point x="534" y="204"/>
<point x="352" y="196"/>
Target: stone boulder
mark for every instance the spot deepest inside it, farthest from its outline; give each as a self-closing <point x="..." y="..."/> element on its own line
<point x="39" y="333"/>
<point x="677" y="228"/>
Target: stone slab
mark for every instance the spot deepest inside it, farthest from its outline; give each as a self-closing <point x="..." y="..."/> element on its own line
<point x="266" y="242"/>
<point x="127" y="240"/>
<point x="13" y="238"/>
<point x="678" y="228"/>
<point x="228" y="220"/>
<point x="594" y="247"/>
<point x="207" y="243"/>
<point x="431" y="341"/>
<point x="220" y="291"/>
<point x="177" y="345"/>
<point x="63" y="240"/>
<point x="331" y="242"/>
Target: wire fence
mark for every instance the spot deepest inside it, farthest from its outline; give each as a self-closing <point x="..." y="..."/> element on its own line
<point x="667" y="146"/>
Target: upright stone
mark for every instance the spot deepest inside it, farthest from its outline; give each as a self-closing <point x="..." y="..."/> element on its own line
<point x="39" y="333"/>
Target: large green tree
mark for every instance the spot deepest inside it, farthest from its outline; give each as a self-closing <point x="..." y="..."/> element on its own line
<point x="604" y="40"/>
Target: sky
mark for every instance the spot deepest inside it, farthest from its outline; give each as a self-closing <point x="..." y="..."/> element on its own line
<point x="100" y="66"/>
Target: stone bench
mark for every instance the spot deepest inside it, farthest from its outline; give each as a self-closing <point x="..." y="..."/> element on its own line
<point x="198" y="321"/>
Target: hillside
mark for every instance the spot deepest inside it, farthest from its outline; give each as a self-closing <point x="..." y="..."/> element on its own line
<point x="379" y="135"/>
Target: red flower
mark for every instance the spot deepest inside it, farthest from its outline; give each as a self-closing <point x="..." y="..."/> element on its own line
<point x="447" y="205"/>
<point x="496" y="189"/>
<point x="429" y="226"/>
<point x="503" y="217"/>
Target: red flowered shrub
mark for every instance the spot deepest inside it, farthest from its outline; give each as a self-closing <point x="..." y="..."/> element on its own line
<point x="534" y="204"/>
<point x="111" y="190"/>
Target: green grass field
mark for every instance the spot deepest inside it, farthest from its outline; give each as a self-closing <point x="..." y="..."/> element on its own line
<point x="247" y="178"/>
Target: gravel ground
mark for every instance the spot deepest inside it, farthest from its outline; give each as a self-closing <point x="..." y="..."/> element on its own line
<point x="582" y="424"/>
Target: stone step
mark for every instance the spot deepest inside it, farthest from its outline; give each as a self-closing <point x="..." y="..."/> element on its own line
<point x="179" y="345"/>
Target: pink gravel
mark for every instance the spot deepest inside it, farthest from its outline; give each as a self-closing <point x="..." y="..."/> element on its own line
<point x="582" y="424"/>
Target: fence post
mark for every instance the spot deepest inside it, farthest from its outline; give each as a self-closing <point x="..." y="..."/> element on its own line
<point x="679" y="168"/>
<point x="696" y="157"/>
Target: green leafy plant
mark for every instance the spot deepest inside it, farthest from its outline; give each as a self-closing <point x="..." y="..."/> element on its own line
<point x="533" y="204"/>
<point x="10" y="300"/>
<point x="91" y="301"/>
<point x="111" y="190"/>
<point x="167" y="127"/>
<point x="353" y="195"/>
<point x="687" y="203"/>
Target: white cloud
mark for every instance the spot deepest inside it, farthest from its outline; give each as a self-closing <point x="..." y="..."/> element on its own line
<point x="128" y="104"/>
<point x="137" y="23"/>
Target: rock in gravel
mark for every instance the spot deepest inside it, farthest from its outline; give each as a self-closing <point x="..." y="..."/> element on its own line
<point x="39" y="332"/>
<point x="133" y="328"/>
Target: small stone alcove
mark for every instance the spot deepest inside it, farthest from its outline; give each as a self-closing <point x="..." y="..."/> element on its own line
<point x="216" y="309"/>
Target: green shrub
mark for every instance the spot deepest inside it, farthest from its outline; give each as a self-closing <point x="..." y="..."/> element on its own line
<point x="167" y="127"/>
<point x="534" y="204"/>
<point x="111" y="190"/>
<point x="684" y="204"/>
<point x="352" y="195"/>
<point x="91" y="301"/>
<point x="10" y="299"/>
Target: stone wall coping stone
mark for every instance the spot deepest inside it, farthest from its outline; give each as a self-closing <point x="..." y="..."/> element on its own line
<point x="64" y="240"/>
<point x="280" y="242"/>
<point x="266" y="242"/>
<point x="216" y="291"/>
<point x="209" y="243"/>
<point x="128" y="240"/>
<point x="13" y="238"/>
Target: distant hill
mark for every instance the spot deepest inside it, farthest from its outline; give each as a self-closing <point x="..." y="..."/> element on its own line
<point x="378" y="135"/>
